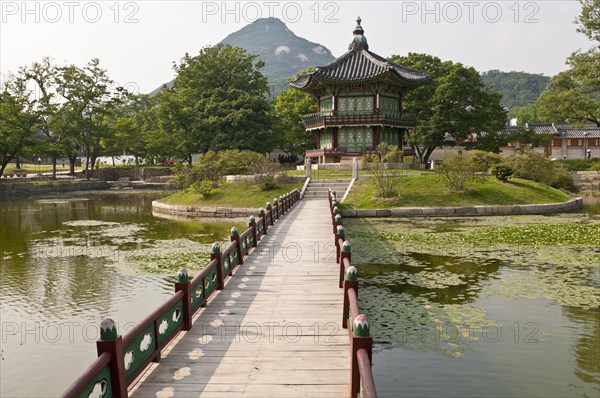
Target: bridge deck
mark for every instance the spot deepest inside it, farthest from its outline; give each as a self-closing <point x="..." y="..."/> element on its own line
<point x="275" y="330"/>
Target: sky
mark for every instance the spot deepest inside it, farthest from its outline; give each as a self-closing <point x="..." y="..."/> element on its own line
<point x="138" y="41"/>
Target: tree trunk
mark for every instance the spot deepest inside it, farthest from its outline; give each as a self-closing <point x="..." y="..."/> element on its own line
<point x="17" y="163"/>
<point x="72" y="160"/>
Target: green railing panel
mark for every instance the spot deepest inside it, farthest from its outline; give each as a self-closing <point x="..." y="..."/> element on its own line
<point x="210" y="283"/>
<point x="169" y="321"/>
<point x="234" y="258"/>
<point x="100" y="386"/>
<point x="244" y="244"/>
<point x="226" y="263"/>
<point x="260" y="228"/>
<point x="138" y="350"/>
<point x="197" y="293"/>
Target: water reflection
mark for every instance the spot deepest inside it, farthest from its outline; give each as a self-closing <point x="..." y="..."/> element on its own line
<point x="65" y="264"/>
<point x="496" y="320"/>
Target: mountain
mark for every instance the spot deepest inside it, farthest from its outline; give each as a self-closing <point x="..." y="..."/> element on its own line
<point x="517" y="88"/>
<point x="284" y="53"/>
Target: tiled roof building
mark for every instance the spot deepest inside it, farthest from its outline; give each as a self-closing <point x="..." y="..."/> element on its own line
<point x="359" y="99"/>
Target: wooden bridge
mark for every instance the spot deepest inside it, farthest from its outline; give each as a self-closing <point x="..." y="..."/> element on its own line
<point x="266" y="317"/>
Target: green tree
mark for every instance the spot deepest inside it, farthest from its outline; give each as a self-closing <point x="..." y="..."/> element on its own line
<point x="218" y="101"/>
<point x="455" y="102"/>
<point x="528" y="114"/>
<point x="290" y="106"/>
<point x="574" y="95"/>
<point x="18" y="122"/>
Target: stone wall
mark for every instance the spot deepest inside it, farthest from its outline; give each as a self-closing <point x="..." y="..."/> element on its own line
<point x="202" y="211"/>
<point x="587" y="180"/>
<point x="131" y="173"/>
<point x="24" y="191"/>
<point x="564" y="207"/>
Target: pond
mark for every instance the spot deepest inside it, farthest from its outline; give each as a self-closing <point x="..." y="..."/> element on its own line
<point x="471" y="307"/>
<point x="65" y="264"/>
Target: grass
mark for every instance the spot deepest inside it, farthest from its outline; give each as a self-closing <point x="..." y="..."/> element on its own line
<point x="430" y="190"/>
<point x="234" y="194"/>
<point x="580" y="164"/>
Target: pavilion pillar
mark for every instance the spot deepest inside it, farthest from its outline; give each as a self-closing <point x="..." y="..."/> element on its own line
<point x="376" y="136"/>
<point x="335" y="138"/>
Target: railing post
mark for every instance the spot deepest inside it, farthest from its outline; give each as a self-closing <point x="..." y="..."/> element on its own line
<point x="215" y="254"/>
<point x="333" y="212"/>
<point x="252" y="224"/>
<point x="183" y="284"/>
<point x="277" y="205"/>
<point x="262" y="214"/>
<point x="344" y="254"/>
<point x="270" y="213"/>
<point x="337" y="222"/>
<point x="340" y="234"/>
<point x="282" y="201"/>
<point x="361" y="339"/>
<point x="235" y="237"/>
<point x="350" y="282"/>
<point x="113" y="344"/>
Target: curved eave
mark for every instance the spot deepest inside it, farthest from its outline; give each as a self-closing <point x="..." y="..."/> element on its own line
<point x="390" y="76"/>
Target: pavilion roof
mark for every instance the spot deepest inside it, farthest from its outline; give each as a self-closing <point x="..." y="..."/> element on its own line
<point x="360" y="65"/>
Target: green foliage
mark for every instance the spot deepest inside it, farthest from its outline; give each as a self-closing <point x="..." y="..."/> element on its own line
<point x="236" y="162"/>
<point x="518" y="89"/>
<point x="501" y="172"/>
<point x="530" y="140"/>
<point x="204" y="188"/>
<point x="580" y="164"/>
<point x="369" y="158"/>
<point x="455" y="102"/>
<point x="531" y="166"/>
<point x="573" y="96"/>
<point x="528" y="114"/>
<point x="384" y="179"/>
<point x="484" y="160"/>
<point x="290" y="106"/>
<point x="218" y="101"/>
<point x="457" y="169"/>
<point x="536" y="167"/>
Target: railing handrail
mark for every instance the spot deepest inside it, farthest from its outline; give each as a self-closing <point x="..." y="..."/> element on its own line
<point x="366" y="375"/>
<point x="361" y="342"/>
<point x="151" y="318"/>
<point x="112" y="345"/>
<point x="88" y="376"/>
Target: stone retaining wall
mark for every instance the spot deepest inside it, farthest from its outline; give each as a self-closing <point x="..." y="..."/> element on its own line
<point x="202" y="211"/>
<point x="564" y="207"/>
<point x="25" y="190"/>
<point x="132" y="173"/>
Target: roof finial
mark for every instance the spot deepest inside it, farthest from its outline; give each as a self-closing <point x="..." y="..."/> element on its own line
<point x="360" y="41"/>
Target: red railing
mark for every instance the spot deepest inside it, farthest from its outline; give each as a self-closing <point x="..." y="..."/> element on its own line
<point x="321" y="120"/>
<point x="362" y="383"/>
<point x="122" y="359"/>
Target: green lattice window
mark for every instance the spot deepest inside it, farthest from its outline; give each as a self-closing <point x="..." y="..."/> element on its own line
<point x="326" y="105"/>
<point x="326" y="140"/>
<point x="387" y="104"/>
<point x="355" y="139"/>
<point x="389" y="136"/>
<point x="355" y="104"/>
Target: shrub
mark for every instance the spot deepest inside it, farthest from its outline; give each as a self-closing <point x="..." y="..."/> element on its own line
<point x="536" y="167"/>
<point x="483" y="160"/>
<point x="204" y="188"/>
<point x="182" y="176"/>
<point x="384" y="180"/>
<point x="562" y="179"/>
<point x="457" y="169"/>
<point x="531" y="166"/>
<point x="595" y="166"/>
<point x="369" y="158"/>
<point x="265" y="181"/>
<point x="501" y="172"/>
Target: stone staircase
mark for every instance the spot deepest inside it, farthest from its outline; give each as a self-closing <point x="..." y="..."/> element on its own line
<point x="587" y="180"/>
<point x="318" y="189"/>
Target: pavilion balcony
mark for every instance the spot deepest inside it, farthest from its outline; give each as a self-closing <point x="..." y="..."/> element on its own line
<point x="328" y="119"/>
<point x="342" y="152"/>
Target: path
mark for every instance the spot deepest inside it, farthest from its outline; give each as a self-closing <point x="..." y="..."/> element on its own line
<point x="274" y="331"/>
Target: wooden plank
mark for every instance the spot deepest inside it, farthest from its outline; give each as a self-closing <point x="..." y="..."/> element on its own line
<point x="275" y="330"/>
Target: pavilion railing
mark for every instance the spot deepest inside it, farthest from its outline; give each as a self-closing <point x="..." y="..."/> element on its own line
<point x="122" y="359"/>
<point x="320" y="120"/>
<point x="362" y="383"/>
